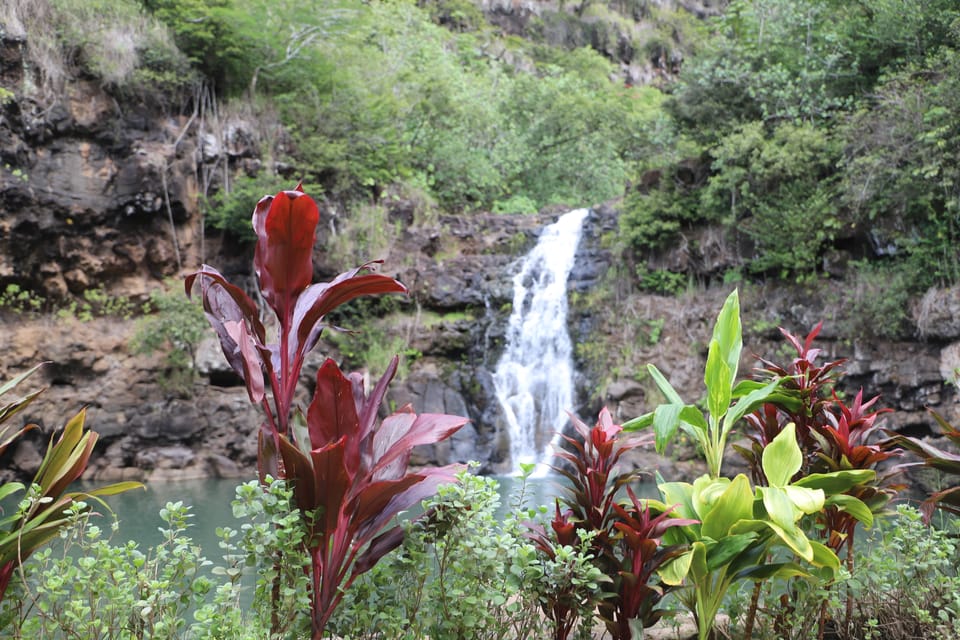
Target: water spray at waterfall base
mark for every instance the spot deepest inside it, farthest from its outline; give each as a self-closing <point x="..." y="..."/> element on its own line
<point x="534" y="377"/>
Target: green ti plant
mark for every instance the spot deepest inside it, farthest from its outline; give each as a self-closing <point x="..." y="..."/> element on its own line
<point x="723" y="361"/>
<point x="44" y="510"/>
<point x="742" y="528"/>
<point x="625" y="535"/>
<point x="739" y="525"/>
<point x="349" y="469"/>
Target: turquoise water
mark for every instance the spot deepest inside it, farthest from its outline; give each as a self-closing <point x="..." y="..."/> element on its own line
<point x="138" y="510"/>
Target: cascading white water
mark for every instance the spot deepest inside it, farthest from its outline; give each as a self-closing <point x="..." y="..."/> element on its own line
<point x="534" y="378"/>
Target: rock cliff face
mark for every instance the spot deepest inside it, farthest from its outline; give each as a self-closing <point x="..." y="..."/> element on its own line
<point x="98" y="194"/>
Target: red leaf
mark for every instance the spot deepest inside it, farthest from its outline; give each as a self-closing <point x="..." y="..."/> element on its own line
<point x="250" y="358"/>
<point x="332" y="482"/>
<point x="285" y="225"/>
<point x="391" y="430"/>
<point x="223" y="303"/>
<point x="368" y="415"/>
<point x="323" y="297"/>
<point x="332" y="414"/>
<point x="378" y="547"/>
<point x="299" y="468"/>
<point x="429" y="480"/>
<point x="426" y="429"/>
<point x="374" y="503"/>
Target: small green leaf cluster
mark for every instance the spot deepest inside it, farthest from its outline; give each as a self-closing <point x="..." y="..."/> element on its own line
<point x="906" y="585"/>
<point x="461" y="573"/>
<point x="94" y="303"/>
<point x="175" y="326"/>
<point x="19" y="300"/>
<point x="87" y="586"/>
<point x="907" y="578"/>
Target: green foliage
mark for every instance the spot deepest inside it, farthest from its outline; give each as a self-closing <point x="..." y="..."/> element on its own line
<point x="459" y="574"/>
<point x="175" y="327"/>
<point x="905" y="587"/>
<point x="89" y="587"/>
<point x="907" y="582"/>
<point x="19" y="300"/>
<point x="96" y="303"/>
<point x="877" y="302"/>
<point x="822" y="123"/>
<point x="667" y="283"/>
<point x="45" y="508"/>
<point x="208" y="32"/>
<point x="373" y="347"/>
<point x="112" y="40"/>
<point x="900" y="170"/>
<point x="776" y="189"/>
<point x="232" y="210"/>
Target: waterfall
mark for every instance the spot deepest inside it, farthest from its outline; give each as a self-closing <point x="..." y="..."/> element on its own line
<point x="534" y="378"/>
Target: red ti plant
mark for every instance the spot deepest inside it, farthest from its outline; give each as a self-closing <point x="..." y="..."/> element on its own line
<point x="642" y="555"/>
<point x="844" y="446"/>
<point x="284" y="225"/>
<point x="350" y="479"/>
<point x="349" y="472"/>
<point x="802" y="398"/>
<point x="832" y="436"/>
<point x="626" y="540"/>
<point x="562" y="608"/>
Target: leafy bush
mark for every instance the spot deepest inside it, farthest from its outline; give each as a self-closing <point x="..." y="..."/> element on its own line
<point x="45" y="507"/>
<point x="906" y="587"/>
<point x="89" y="587"/>
<point x="460" y="573"/>
<point x="175" y="327"/>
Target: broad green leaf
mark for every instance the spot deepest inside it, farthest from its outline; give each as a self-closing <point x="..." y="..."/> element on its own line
<point x="823" y="556"/>
<point x="794" y="538"/>
<point x="665" y="387"/>
<point x="718" y="378"/>
<point x="639" y="423"/>
<point x="733" y="505"/>
<point x="724" y="551"/>
<point x="727" y="333"/>
<point x="680" y="494"/>
<point x="836" y="481"/>
<point x="807" y="500"/>
<point x="676" y="570"/>
<point x="782" y="457"/>
<point x="749" y="403"/>
<point x="779" y="507"/>
<point x="692" y="416"/>
<point x="706" y="492"/>
<point x="854" y="506"/>
<point x="761" y="572"/>
<point x="666" y="419"/>
<point x="10" y="487"/>
<point x="698" y="563"/>
<point x="786" y="398"/>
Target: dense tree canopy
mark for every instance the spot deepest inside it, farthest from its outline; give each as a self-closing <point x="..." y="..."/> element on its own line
<point x="798" y="126"/>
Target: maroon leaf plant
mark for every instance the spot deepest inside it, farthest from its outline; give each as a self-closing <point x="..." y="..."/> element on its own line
<point x="349" y="470"/>
<point x="626" y="540"/>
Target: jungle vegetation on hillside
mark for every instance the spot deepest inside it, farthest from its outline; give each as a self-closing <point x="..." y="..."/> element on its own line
<point x="801" y="127"/>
